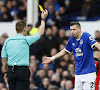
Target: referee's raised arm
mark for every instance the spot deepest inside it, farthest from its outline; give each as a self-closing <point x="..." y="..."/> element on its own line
<point x="42" y="26"/>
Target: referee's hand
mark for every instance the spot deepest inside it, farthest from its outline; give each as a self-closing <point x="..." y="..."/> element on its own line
<point x="6" y="78"/>
<point x="44" y="14"/>
<point x="47" y="60"/>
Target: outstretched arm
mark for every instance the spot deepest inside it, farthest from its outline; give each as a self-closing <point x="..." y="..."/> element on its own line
<point x="58" y="55"/>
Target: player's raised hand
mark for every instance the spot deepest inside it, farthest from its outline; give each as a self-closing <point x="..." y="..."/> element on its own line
<point x="47" y="60"/>
<point x="44" y="14"/>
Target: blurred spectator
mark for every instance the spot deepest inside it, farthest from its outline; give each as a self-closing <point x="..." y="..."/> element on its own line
<point x="67" y="4"/>
<point x="53" y="51"/>
<point x="4" y="89"/>
<point x="34" y="60"/>
<point x="58" y="70"/>
<point x="6" y="17"/>
<point x="54" y="31"/>
<point x="14" y="8"/>
<point x="48" y="42"/>
<point x="50" y="73"/>
<point x="40" y="75"/>
<point x="68" y="85"/>
<point x="61" y="46"/>
<point x="62" y="36"/>
<point x="86" y="7"/>
<point x="51" y="16"/>
<point x="37" y="50"/>
<point x="45" y="4"/>
<point x="15" y="17"/>
<point x="1" y="86"/>
<point x="67" y="58"/>
<point x="97" y="35"/>
<point x="29" y="27"/>
<point x="56" y="5"/>
<point x="63" y="64"/>
<point x="71" y="68"/>
<point x="9" y="5"/>
<point x="53" y="87"/>
<point x="3" y="38"/>
<point x="55" y="80"/>
<point x="2" y="41"/>
<point x="63" y="18"/>
<point x="65" y="74"/>
<point x="45" y="84"/>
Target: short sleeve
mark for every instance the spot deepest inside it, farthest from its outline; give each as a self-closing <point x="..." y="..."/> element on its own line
<point x="68" y="47"/>
<point x="4" y="51"/>
<point x="90" y="40"/>
<point x="31" y="39"/>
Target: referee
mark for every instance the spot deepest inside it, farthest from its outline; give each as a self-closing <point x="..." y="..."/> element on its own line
<point x="15" y="55"/>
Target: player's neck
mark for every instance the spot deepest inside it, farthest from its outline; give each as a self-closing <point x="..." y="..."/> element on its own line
<point x="79" y="36"/>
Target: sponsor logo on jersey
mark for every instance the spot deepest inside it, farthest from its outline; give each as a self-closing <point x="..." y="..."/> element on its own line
<point x="78" y="52"/>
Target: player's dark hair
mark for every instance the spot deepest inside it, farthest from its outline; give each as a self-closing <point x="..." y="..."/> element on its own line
<point x="20" y="25"/>
<point x="75" y="23"/>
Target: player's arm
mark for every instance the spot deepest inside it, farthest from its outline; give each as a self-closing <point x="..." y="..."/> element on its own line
<point x="58" y="55"/>
<point x="97" y="45"/>
<point x="5" y="65"/>
<point x="42" y="26"/>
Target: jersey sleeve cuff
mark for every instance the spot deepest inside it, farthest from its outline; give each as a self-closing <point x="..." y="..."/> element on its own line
<point x="67" y="50"/>
<point x="93" y="45"/>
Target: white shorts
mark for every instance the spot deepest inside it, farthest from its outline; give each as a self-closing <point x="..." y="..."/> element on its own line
<point x="85" y="82"/>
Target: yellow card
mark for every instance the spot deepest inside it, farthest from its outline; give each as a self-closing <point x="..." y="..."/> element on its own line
<point x="41" y="8"/>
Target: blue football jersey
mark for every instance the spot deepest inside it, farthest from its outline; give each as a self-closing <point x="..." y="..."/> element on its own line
<point x="83" y="52"/>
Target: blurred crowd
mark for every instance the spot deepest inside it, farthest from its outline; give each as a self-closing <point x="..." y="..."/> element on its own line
<point x="12" y="10"/>
<point x="61" y="12"/>
<point x="58" y="75"/>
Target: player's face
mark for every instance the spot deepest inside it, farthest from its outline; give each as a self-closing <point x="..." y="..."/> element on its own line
<point x="75" y="31"/>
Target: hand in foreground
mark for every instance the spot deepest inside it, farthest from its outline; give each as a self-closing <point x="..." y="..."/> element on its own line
<point x="47" y="60"/>
<point x="6" y="78"/>
<point x="44" y="14"/>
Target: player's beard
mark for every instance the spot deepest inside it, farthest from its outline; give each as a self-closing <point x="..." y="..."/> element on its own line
<point x="75" y="36"/>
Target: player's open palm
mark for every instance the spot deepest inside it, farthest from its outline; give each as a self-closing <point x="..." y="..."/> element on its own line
<point x="47" y="60"/>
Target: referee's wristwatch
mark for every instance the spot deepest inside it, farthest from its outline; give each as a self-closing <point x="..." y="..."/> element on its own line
<point x="43" y="19"/>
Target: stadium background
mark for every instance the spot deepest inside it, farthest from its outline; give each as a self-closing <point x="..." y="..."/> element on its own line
<point x="59" y="75"/>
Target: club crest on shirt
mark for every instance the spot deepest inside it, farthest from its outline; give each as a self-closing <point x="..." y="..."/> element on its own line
<point x="73" y="44"/>
<point x="91" y="38"/>
<point x="81" y="41"/>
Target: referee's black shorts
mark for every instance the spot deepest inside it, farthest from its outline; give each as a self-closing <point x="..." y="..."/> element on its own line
<point x="18" y="77"/>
